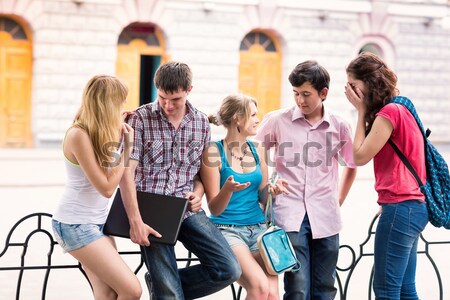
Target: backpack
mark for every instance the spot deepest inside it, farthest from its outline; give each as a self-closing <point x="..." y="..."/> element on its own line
<point x="437" y="187"/>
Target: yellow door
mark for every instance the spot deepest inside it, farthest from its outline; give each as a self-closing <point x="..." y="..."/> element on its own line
<point x="136" y="40"/>
<point x="128" y="69"/>
<point x="260" y="71"/>
<point x="15" y="85"/>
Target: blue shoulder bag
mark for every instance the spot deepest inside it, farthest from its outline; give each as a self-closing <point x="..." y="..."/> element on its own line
<point x="274" y="245"/>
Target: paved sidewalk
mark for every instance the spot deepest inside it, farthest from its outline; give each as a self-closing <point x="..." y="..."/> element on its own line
<point x="32" y="181"/>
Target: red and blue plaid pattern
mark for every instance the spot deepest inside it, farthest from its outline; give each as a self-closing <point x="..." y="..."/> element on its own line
<point x="168" y="158"/>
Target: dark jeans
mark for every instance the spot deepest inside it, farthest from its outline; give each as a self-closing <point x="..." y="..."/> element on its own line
<point x="318" y="258"/>
<point x="218" y="266"/>
<point x="396" y="240"/>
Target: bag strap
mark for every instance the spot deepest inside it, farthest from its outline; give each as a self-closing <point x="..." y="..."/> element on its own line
<point x="425" y="132"/>
<point x="268" y="212"/>
<point x="270" y="222"/>
<point x="406" y="162"/>
<point x="410" y="106"/>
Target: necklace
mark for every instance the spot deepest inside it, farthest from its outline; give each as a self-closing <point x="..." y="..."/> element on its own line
<point x="240" y="158"/>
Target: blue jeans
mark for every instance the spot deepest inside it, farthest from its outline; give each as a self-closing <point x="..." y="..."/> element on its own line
<point x="396" y="239"/>
<point x="218" y="266"/>
<point x="318" y="258"/>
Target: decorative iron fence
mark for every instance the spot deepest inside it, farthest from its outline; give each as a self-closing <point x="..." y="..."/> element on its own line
<point x="40" y="223"/>
<point x="345" y="274"/>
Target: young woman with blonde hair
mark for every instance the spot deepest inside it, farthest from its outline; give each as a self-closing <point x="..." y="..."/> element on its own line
<point x="234" y="174"/>
<point x="96" y="149"/>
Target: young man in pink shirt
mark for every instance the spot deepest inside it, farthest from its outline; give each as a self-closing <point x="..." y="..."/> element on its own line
<point x="309" y="144"/>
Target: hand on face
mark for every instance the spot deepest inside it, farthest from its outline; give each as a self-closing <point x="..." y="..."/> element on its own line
<point x="355" y="96"/>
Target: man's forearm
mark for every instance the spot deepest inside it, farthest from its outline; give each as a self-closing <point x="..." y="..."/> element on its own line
<point x="128" y="192"/>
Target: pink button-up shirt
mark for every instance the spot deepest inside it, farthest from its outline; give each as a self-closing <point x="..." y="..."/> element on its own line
<point x="307" y="156"/>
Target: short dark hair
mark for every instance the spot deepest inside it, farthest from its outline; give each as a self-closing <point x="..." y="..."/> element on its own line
<point x="310" y="71"/>
<point x="173" y="76"/>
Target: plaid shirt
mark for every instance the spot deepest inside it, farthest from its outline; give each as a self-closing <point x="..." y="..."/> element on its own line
<point x="168" y="158"/>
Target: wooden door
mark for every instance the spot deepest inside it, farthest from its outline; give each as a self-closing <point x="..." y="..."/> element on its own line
<point x="15" y="85"/>
<point x="260" y="71"/>
<point x="135" y="40"/>
<point x="128" y="69"/>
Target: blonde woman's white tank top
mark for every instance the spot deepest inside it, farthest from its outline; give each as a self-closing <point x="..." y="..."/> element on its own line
<point x="80" y="203"/>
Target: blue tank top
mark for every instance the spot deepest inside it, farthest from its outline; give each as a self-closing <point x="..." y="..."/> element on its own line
<point x="243" y="208"/>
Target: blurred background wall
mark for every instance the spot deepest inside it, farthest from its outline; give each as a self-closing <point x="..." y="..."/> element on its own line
<point x="50" y="48"/>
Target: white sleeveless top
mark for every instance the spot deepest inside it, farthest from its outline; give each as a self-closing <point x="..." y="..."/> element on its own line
<point x="80" y="203"/>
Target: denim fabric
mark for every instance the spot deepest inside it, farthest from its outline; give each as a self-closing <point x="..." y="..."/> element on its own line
<point x="74" y="236"/>
<point x="218" y="266"/>
<point x="243" y="235"/>
<point x="396" y="237"/>
<point x="318" y="258"/>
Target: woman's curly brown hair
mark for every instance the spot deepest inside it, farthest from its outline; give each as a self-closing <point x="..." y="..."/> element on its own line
<point x="380" y="80"/>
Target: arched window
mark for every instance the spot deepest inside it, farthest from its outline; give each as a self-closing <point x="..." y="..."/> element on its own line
<point x="372" y="48"/>
<point x="258" y="39"/>
<point x="143" y="31"/>
<point x="13" y="28"/>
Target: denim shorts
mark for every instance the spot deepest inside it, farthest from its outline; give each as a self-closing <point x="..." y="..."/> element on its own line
<point x="242" y="235"/>
<point x="74" y="236"/>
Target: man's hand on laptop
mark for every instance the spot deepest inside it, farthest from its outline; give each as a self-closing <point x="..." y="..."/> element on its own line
<point x="139" y="234"/>
<point x="195" y="202"/>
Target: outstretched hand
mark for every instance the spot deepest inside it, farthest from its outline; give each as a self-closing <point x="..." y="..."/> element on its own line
<point x="234" y="186"/>
<point x="279" y="187"/>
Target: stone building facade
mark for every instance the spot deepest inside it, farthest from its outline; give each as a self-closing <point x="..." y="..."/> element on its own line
<point x="50" y="48"/>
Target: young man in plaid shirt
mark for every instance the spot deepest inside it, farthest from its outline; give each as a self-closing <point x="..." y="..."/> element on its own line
<point x="170" y="135"/>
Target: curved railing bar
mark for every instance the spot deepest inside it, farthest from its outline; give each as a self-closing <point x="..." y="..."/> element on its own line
<point x="8" y="237"/>
<point x="24" y="252"/>
<point x="351" y="268"/>
<point x="436" y="269"/>
<point x="343" y="286"/>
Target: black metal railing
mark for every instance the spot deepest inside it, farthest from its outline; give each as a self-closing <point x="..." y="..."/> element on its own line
<point x="41" y="223"/>
<point x="36" y="224"/>
<point x="367" y="251"/>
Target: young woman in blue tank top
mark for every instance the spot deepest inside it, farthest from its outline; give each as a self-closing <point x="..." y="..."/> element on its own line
<point x="235" y="177"/>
